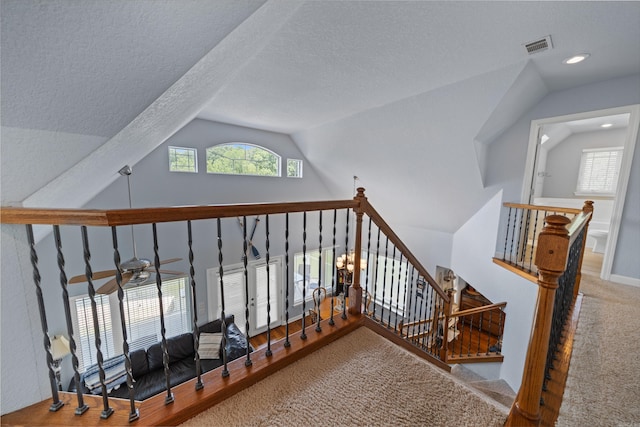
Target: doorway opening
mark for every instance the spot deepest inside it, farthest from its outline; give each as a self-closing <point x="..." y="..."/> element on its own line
<point x="585" y="156"/>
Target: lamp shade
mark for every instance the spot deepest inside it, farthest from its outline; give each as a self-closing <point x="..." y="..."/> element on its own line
<point x="60" y="347"/>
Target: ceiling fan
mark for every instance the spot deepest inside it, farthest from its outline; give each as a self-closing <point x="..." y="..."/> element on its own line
<point x="134" y="271"/>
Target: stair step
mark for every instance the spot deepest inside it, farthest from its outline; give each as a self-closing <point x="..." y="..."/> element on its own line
<point x="497" y="390"/>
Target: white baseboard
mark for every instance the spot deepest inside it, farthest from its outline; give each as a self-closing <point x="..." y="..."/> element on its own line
<point x="624" y="280"/>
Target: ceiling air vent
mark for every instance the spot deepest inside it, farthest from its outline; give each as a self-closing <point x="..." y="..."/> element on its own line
<point x="539" y="45"/>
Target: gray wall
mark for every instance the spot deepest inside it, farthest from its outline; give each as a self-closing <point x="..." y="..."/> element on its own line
<point x="507" y="156"/>
<point x="563" y="160"/>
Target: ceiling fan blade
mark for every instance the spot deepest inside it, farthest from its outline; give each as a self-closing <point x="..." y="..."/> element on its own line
<point x="170" y="260"/>
<point x="172" y="272"/>
<point x="112" y="285"/>
<point x="96" y="276"/>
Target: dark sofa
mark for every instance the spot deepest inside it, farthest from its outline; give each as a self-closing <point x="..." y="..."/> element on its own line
<point x="147" y="365"/>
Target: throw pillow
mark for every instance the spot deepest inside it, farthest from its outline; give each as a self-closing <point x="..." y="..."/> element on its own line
<point x="210" y="345"/>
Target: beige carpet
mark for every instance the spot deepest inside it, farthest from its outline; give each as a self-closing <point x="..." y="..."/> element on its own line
<point x="359" y="380"/>
<point x="603" y="386"/>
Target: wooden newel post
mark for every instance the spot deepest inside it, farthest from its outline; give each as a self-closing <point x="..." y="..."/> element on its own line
<point x="355" y="291"/>
<point x="448" y="306"/>
<point x="551" y="260"/>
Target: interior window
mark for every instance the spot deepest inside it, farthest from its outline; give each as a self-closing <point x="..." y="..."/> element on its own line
<point x="242" y="159"/>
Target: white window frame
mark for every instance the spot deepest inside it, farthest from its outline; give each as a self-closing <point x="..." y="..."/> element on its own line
<point x="195" y="159"/>
<point x="299" y="168"/>
<point x="112" y="340"/>
<point x="246" y="144"/>
<point x="586" y="171"/>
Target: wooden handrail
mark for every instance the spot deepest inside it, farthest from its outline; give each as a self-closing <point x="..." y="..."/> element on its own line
<point x="117" y="217"/>
<point x="466" y="312"/>
<point x="393" y="238"/>
<point x="542" y="208"/>
<point x="477" y="310"/>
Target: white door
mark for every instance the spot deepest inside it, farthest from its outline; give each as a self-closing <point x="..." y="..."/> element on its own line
<point x="235" y="295"/>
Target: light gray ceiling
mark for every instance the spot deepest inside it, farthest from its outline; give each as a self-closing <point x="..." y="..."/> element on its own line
<point x="439" y="78"/>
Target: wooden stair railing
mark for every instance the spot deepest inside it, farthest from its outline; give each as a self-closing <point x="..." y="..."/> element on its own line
<point x="405" y="274"/>
<point x="559" y="238"/>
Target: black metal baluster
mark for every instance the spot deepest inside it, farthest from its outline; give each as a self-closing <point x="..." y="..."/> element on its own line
<point x="412" y="310"/>
<point x="134" y="414"/>
<point x="499" y="347"/>
<point x="82" y="407"/>
<point x="384" y="280"/>
<point x="268" y="353"/>
<point x="406" y="285"/>
<point x="333" y="268"/>
<point x="223" y="315"/>
<point x="367" y="294"/>
<point x="303" y="335"/>
<point x="395" y="324"/>
<point x="165" y="351"/>
<point x="489" y="334"/>
<point x="513" y="235"/>
<point x="57" y="403"/>
<point x="287" y="343"/>
<point x="423" y="303"/>
<point x="107" y="411"/>
<point x="318" y="328"/>
<point x="194" y="305"/>
<point x="429" y="312"/>
<point x="470" y="335"/>
<point x="345" y="286"/>
<point x="533" y="242"/>
<point x="519" y="260"/>
<point x="480" y="332"/>
<point x="375" y="283"/>
<point x="245" y="256"/>
<point x="506" y="237"/>
<point x="393" y="266"/>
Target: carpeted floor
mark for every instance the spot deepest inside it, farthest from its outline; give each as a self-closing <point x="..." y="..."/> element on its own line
<point x="359" y="380"/>
<point x="603" y="385"/>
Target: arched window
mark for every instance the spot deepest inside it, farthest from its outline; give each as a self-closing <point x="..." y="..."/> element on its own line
<point x="239" y="158"/>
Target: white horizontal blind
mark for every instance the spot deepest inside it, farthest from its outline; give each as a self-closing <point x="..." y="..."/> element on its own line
<point x="85" y="335"/>
<point x="142" y="311"/>
<point x="599" y="170"/>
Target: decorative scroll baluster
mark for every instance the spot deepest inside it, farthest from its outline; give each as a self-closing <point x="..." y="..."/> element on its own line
<point x="384" y="279"/>
<point x="470" y="335"/>
<point x="57" y="403"/>
<point x="165" y="352"/>
<point x="318" y="328"/>
<point x="519" y="254"/>
<point x="245" y="256"/>
<point x="345" y="286"/>
<point x="268" y="353"/>
<point x="223" y="315"/>
<point x="67" y="314"/>
<point x="430" y="313"/>
<point x="287" y="343"/>
<point x="303" y="335"/>
<point x="194" y="305"/>
<point x="479" y="332"/>
<point x="333" y="268"/>
<point x="107" y="411"/>
<point x="375" y="283"/>
<point x="134" y="414"/>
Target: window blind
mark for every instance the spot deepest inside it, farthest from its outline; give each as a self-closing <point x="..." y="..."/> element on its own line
<point x="599" y="170"/>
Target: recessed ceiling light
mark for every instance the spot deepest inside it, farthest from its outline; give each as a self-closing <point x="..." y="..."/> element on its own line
<point x="576" y="58"/>
<point x="606" y="125"/>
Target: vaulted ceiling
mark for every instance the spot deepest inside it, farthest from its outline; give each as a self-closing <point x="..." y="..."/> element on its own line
<point x="421" y="78"/>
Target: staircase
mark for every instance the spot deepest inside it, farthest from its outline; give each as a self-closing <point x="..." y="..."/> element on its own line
<point x="497" y="390"/>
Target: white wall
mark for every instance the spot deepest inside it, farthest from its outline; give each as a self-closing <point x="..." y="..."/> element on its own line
<point x="507" y="156"/>
<point x="563" y="160"/>
<point x="473" y="247"/>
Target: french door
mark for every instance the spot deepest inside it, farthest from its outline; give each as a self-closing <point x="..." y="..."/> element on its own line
<point x="262" y="288"/>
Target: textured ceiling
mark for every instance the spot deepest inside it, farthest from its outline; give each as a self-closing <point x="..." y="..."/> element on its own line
<point x="374" y="80"/>
<point x="91" y="66"/>
<point x="334" y="59"/>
